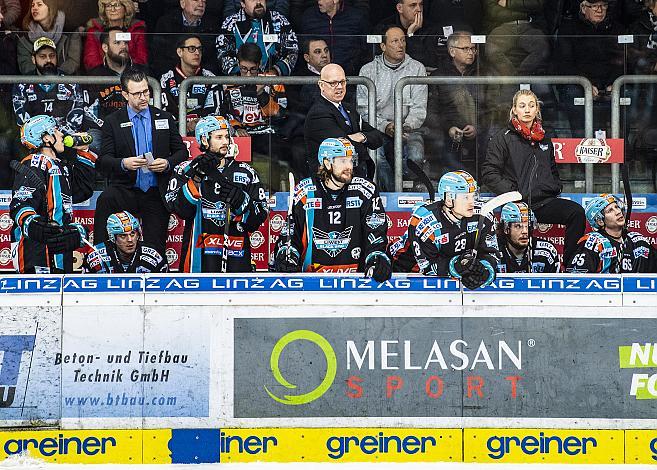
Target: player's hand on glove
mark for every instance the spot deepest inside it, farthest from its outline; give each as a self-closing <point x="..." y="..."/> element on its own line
<point x="67" y="240"/>
<point x="69" y="155"/>
<point x="378" y="267"/>
<point x="201" y="165"/>
<point x="39" y="229"/>
<point x="231" y="193"/>
<point x="287" y="260"/>
<point x="472" y="272"/>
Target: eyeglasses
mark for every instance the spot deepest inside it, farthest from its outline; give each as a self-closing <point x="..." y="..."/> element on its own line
<point x="249" y="70"/>
<point x="336" y="83"/>
<point x="597" y="6"/>
<point x="113" y="6"/>
<point x="472" y="50"/>
<point x="193" y="49"/>
<point x="140" y="94"/>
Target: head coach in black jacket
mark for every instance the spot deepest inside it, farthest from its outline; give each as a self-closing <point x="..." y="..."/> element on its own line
<point x="330" y="117"/>
<point x="137" y="183"/>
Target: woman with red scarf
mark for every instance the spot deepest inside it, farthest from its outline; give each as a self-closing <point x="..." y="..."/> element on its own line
<point x="521" y="158"/>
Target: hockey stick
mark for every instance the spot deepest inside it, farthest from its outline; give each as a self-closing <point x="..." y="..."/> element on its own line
<point x="487" y="208"/>
<point x="627" y="190"/>
<point x="290" y="205"/>
<point x="95" y="250"/>
<point x="415" y="168"/>
<point x="224" y="252"/>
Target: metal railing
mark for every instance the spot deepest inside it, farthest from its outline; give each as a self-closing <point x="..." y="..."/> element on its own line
<point x="78" y="79"/>
<point x="545" y="80"/>
<point x="615" y="117"/>
<point x="267" y="80"/>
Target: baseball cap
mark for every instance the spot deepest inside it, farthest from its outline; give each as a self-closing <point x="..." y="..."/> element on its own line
<point x="44" y="42"/>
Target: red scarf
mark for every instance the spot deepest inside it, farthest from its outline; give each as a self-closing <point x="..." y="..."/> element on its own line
<point x="535" y="134"/>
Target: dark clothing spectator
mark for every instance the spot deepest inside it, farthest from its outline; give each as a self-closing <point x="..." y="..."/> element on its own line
<point x="233" y="6"/>
<point x="380" y="9"/>
<point x="78" y="13"/>
<point x="344" y="33"/>
<point x="170" y="28"/>
<point x="517" y="28"/>
<point x="93" y="52"/>
<point x="463" y="15"/>
<point x="10" y="12"/>
<point x="279" y="56"/>
<point x="136" y="183"/>
<point x="299" y="7"/>
<point x="643" y="53"/>
<point x="421" y="46"/>
<point x="68" y="45"/>
<point x="590" y="50"/>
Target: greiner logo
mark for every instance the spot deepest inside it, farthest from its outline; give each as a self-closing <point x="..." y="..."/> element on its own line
<point x="653" y="448"/>
<point x="60" y="445"/>
<point x="499" y="446"/>
<point x="338" y="446"/>
<point x="331" y="367"/>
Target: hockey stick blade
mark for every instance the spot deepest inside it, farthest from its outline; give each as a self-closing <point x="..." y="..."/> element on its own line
<point x="415" y="168"/>
<point x="497" y="201"/>
<point x="290" y="205"/>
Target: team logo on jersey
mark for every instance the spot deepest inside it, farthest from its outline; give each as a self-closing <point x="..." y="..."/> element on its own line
<point x="651" y="224"/>
<point x="355" y="253"/>
<point x="641" y="252"/>
<point x="24" y="193"/>
<point x="333" y="243"/>
<point x="213" y="211"/>
<point x="375" y="220"/>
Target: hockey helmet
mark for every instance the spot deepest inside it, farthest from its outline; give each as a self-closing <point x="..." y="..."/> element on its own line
<point x="517" y="212"/>
<point x="456" y="182"/>
<point x="122" y="222"/>
<point x="35" y="128"/>
<point x="595" y="209"/>
<point x="336" y="147"/>
<point x="209" y="124"/>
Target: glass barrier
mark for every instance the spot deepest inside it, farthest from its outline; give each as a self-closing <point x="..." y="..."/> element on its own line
<point x="458" y="119"/>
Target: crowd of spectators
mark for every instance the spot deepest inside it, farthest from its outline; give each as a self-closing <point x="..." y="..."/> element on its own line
<point x="445" y="126"/>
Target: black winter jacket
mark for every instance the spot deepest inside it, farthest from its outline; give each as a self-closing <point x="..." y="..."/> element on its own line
<point x="513" y="163"/>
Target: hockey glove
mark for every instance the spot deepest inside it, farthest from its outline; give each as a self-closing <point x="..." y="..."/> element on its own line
<point x="38" y="229"/>
<point x="69" y="155"/>
<point x="287" y="260"/>
<point x="201" y="165"/>
<point x="378" y="267"/>
<point x="66" y="241"/>
<point x="231" y="194"/>
<point x="472" y="272"/>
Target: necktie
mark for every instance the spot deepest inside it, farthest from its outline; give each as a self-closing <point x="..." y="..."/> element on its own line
<point x="143" y="180"/>
<point x="344" y="114"/>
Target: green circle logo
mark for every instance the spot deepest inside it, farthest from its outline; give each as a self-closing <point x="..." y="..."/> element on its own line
<point x="331" y="367"/>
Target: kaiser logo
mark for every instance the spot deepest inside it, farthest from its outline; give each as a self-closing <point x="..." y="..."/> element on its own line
<point x="5" y="221"/>
<point x="544" y="228"/>
<point x="651" y="224"/>
<point x="5" y="256"/>
<point x="276" y="223"/>
<point x="257" y="239"/>
<point x="592" y="151"/>
<point x="172" y="256"/>
<point x="329" y="376"/>
<point x="173" y="222"/>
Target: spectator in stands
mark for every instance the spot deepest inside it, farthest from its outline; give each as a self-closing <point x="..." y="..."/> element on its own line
<point x="115" y="13"/>
<point x="78" y="13"/>
<point x="452" y="113"/>
<point x="299" y="7"/>
<point x="643" y="53"/>
<point x="521" y="158"/>
<point x="516" y="43"/>
<point x="270" y="30"/>
<point x="233" y="6"/>
<point x="138" y="184"/>
<point x="46" y="20"/>
<point x="421" y="37"/>
<point x="64" y="102"/>
<point x="343" y="27"/>
<point x="331" y="116"/>
<point x="385" y="71"/>
<point x="10" y="11"/>
<point x="202" y="100"/>
<point x="106" y="99"/>
<point x="448" y="16"/>
<point x="191" y="18"/>
<point x="152" y="10"/>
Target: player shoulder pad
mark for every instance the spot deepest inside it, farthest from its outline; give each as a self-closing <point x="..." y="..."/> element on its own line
<point x="36" y="160"/>
<point x="301" y="190"/>
<point x="181" y="167"/>
<point x="594" y="241"/>
<point x="637" y="237"/>
<point x="364" y="186"/>
<point x="545" y="245"/>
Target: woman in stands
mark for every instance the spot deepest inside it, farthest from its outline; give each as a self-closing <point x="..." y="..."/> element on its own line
<point x="115" y="13"/>
<point x="521" y="158"/>
<point x="45" y="19"/>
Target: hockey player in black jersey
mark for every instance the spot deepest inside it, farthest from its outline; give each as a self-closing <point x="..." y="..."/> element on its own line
<point x="338" y="223"/>
<point x="221" y="200"/>
<point x="443" y="235"/>
<point x="609" y="248"/>
<point x="124" y="251"/>
<point x="513" y="238"/>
